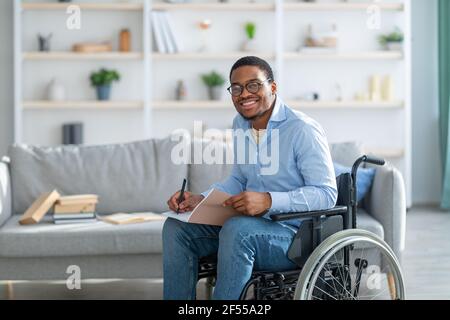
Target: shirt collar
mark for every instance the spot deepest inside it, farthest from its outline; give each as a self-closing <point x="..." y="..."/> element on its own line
<point x="279" y="112"/>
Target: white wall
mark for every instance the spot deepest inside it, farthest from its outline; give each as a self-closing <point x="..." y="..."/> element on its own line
<point x="6" y="75"/>
<point x="426" y="164"/>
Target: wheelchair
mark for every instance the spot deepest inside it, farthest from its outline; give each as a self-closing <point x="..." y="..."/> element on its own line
<point x="336" y="261"/>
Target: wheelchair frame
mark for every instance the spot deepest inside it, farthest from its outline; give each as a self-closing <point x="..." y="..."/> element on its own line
<point x="281" y="285"/>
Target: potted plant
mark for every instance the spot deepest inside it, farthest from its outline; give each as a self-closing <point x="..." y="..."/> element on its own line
<point x="102" y="80"/>
<point x="214" y="81"/>
<point x="250" y="29"/>
<point x="392" y="41"/>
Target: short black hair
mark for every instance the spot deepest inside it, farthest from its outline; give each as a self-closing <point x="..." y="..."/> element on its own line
<point x="253" y="61"/>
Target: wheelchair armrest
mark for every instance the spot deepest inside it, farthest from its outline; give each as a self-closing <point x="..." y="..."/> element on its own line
<point x="309" y="214"/>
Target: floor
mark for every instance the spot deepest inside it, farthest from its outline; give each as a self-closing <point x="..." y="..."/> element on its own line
<point x="426" y="267"/>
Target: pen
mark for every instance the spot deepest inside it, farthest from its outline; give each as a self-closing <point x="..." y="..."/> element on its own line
<point x="181" y="197"/>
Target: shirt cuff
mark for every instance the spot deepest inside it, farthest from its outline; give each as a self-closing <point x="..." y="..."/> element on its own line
<point x="280" y="202"/>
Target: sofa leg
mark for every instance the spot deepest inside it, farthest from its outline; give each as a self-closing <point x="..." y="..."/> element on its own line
<point x="9" y="290"/>
<point x="209" y="286"/>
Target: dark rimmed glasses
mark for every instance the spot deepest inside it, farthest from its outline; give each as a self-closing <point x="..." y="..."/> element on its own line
<point x="252" y="87"/>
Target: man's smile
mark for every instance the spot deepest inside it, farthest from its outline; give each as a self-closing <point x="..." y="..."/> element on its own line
<point x="249" y="103"/>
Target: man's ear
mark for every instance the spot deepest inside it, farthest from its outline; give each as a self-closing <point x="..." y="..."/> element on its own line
<point x="274" y="87"/>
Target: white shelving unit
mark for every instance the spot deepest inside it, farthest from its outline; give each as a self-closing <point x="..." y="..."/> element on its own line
<point x="387" y="122"/>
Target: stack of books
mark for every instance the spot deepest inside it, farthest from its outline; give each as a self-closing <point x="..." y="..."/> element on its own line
<point x="164" y="37"/>
<point x="75" y="209"/>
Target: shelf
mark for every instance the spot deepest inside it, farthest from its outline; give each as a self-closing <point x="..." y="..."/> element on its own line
<point x="373" y="55"/>
<point x="215" y="6"/>
<point x="210" y="105"/>
<point x="209" y="55"/>
<point x="61" y="55"/>
<point x="190" y="105"/>
<point x="97" y="105"/>
<point x="386" y="153"/>
<point x="342" y="6"/>
<point x="345" y="104"/>
<point x="83" y="6"/>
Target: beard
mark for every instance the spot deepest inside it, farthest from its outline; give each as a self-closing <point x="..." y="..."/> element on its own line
<point x="256" y="116"/>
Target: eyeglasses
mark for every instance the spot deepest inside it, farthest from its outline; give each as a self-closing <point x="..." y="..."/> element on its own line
<point x="253" y="87"/>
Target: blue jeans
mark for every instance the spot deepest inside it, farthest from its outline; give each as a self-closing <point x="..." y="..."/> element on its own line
<point x="242" y="244"/>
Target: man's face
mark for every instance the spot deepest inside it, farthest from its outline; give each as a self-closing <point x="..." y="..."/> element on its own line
<point x="252" y="105"/>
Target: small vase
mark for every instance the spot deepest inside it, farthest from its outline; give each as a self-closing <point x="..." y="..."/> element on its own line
<point x="248" y="45"/>
<point x="215" y="93"/>
<point x="56" y="91"/>
<point x="394" y="46"/>
<point x="103" y="92"/>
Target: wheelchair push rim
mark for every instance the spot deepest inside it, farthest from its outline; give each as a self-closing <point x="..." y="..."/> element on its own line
<point x="325" y="276"/>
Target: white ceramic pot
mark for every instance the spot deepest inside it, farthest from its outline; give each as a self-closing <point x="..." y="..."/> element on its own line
<point x="249" y="45"/>
<point x="56" y="91"/>
<point x="395" y="46"/>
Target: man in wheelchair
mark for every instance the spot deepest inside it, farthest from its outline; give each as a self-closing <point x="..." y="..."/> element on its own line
<point x="304" y="181"/>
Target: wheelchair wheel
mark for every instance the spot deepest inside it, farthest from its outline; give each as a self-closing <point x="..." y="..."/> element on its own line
<point x="352" y="264"/>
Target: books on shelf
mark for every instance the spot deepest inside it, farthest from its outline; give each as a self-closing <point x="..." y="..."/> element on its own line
<point x="318" y="50"/>
<point x="127" y="218"/>
<point x="165" y="39"/>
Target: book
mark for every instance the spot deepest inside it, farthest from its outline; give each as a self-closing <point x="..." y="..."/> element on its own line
<point x="39" y="208"/>
<point x="209" y="211"/>
<point x="68" y="221"/>
<point x="167" y="33"/>
<point x="78" y="199"/>
<point x="173" y="36"/>
<point x="74" y="208"/>
<point x="127" y="218"/>
<point x="88" y="47"/>
<point x="157" y="33"/>
<point x="86" y="215"/>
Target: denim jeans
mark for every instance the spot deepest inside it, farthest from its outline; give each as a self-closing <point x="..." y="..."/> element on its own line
<point x="242" y="244"/>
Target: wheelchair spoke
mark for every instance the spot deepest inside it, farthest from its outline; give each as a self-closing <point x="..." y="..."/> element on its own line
<point x="335" y="289"/>
<point x="315" y="287"/>
<point x="357" y="282"/>
<point x="379" y="294"/>
<point x="343" y="287"/>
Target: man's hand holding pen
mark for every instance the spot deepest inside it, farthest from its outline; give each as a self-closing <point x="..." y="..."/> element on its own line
<point x="188" y="204"/>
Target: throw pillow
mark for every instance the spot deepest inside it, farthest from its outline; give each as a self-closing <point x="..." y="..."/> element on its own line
<point x="364" y="178"/>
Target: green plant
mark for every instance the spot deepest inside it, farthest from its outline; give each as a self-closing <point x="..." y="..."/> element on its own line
<point x="250" y="29"/>
<point x="213" y="79"/>
<point x="104" y="77"/>
<point x="395" y="36"/>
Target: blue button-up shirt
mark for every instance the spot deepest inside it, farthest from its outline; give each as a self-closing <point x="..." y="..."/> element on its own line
<point x="292" y="162"/>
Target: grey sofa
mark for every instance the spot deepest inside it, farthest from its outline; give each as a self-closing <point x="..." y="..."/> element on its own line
<point x="132" y="177"/>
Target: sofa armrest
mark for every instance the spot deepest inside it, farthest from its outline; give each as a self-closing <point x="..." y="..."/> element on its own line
<point x="5" y="193"/>
<point x="387" y="204"/>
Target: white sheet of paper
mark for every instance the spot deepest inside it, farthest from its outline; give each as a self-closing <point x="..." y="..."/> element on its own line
<point x="209" y="211"/>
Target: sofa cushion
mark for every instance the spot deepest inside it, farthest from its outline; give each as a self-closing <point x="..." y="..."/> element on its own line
<point x="95" y="238"/>
<point x="346" y="153"/>
<point x="366" y="222"/>
<point x="203" y="175"/>
<point x="130" y="177"/>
